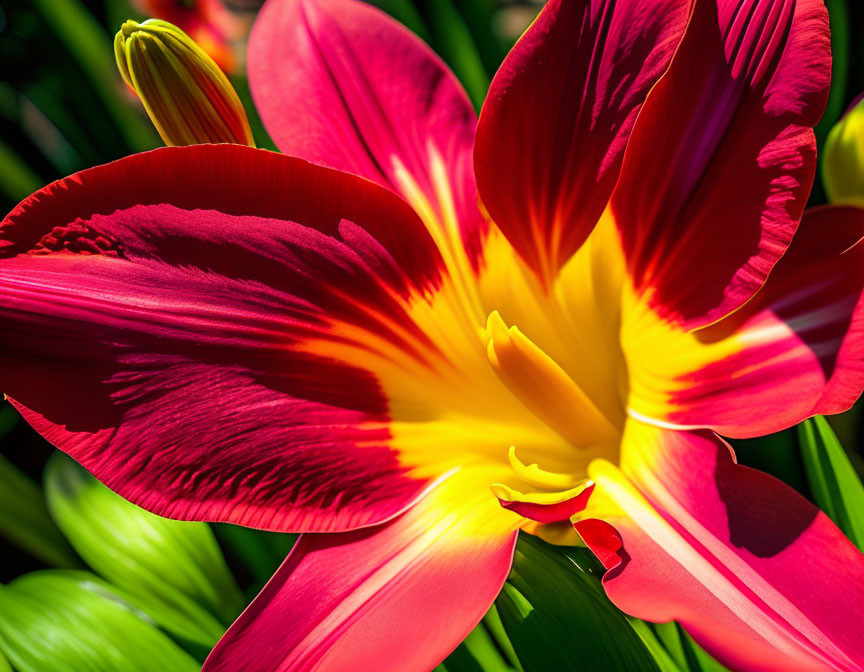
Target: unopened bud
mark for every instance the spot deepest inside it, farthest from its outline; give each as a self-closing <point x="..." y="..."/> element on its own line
<point x="189" y="99"/>
<point x="843" y="159"/>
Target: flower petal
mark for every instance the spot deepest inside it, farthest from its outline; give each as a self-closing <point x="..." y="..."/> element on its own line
<point x="558" y="115"/>
<point x="339" y="83"/>
<point x="721" y="161"/>
<point x="396" y="597"/>
<point x="758" y="575"/>
<point x="545" y="507"/>
<point x="172" y="321"/>
<point x="794" y="351"/>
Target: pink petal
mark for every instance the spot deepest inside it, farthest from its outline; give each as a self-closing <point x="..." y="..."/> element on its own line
<point x="341" y="84"/>
<point x="558" y="116"/>
<point x="794" y="351"/>
<point x="554" y="512"/>
<point x="396" y="597"/>
<point x="163" y="318"/>
<point x="721" y="161"/>
<point x="758" y="575"/>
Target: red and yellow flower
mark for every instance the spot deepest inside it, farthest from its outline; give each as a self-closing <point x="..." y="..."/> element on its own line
<point x="355" y="348"/>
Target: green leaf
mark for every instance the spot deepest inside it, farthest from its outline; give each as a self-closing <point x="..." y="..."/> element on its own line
<point x="25" y="521"/>
<point x="17" y="179"/>
<point x="557" y="616"/>
<point x="493" y="623"/>
<point x="174" y="571"/>
<point x="405" y="13"/>
<point x="452" y="39"/>
<point x="480" y="16"/>
<point x="836" y="488"/>
<point x="665" y="659"/>
<point x="838" y="14"/>
<point x="92" y="48"/>
<point x="56" y="621"/>
<point x="479" y="652"/>
<point x="688" y="656"/>
<point x="5" y="665"/>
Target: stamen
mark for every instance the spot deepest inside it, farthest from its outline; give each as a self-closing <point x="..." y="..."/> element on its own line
<point x="536" y="477"/>
<point x="544" y="387"/>
<point x="543" y="498"/>
<point x="545" y="507"/>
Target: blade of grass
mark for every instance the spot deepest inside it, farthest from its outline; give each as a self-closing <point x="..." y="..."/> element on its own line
<point x="5" y="665"/>
<point x="17" y="179"/>
<point x="661" y="656"/>
<point x="493" y="623"/>
<point x="838" y="15"/>
<point x="92" y="48"/>
<point x="480" y="644"/>
<point x="25" y="521"/>
<point x="405" y="13"/>
<point x="836" y="488"/>
<point x="45" y="134"/>
<point x="452" y="39"/>
<point x="479" y="17"/>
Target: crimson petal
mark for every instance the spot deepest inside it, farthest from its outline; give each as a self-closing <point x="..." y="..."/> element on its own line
<point x="160" y="319"/>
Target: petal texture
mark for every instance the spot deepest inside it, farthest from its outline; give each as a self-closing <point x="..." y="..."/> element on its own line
<point x="795" y="350"/>
<point x="341" y="84"/>
<point x="758" y="575"/>
<point x="165" y="320"/>
<point x="559" y="112"/>
<point x="396" y="597"/>
<point x="723" y="156"/>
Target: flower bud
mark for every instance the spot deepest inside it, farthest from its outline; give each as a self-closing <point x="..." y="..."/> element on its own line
<point x="189" y="99"/>
<point x="843" y="158"/>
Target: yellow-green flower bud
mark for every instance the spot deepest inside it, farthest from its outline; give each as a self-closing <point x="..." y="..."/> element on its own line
<point x="189" y="99"/>
<point x="843" y="159"/>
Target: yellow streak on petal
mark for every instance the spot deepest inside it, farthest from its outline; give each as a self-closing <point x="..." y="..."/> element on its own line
<point x="663" y="360"/>
<point x="442" y="223"/>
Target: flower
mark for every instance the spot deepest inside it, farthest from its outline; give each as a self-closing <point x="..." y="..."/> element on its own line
<point x="358" y="351"/>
